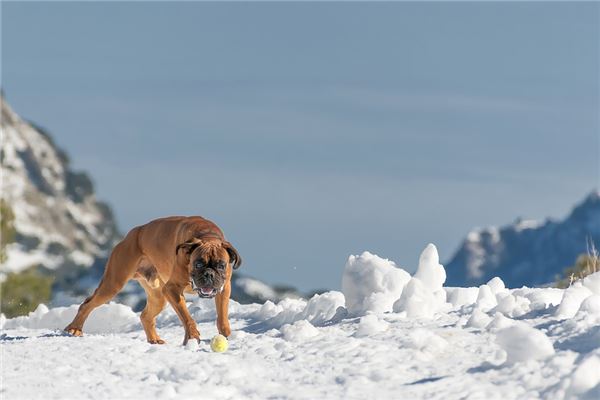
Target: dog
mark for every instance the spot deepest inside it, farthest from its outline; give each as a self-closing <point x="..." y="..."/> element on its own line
<point x="169" y="256"/>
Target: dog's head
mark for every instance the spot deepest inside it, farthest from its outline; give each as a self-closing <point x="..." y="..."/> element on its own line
<point x="210" y="263"/>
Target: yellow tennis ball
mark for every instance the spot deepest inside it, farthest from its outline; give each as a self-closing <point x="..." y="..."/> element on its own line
<point x="219" y="344"/>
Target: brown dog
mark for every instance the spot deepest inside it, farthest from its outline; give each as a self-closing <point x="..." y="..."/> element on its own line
<point x="168" y="256"/>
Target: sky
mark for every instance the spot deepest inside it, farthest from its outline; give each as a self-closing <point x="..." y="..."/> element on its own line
<point x="309" y="131"/>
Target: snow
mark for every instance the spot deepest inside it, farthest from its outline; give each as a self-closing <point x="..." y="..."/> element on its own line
<point x="369" y="325"/>
<point x="372" y="283"/>
<point x="572" y="299"/>
<point x="298" y="331"/>
<point x="496" y="285"/>
<point x="522" y="343"/>
<point x="586" y="377"/>
<point x="459" y="297"/>
<point x="401" y="340"/>
<point x="485" y="298"/>
<point x="424" y="294"/>
<point x="478" y="319"/>
<point x="592" y="282"/>
<point x="430" y="271"/>
<point x="591" y="305"/>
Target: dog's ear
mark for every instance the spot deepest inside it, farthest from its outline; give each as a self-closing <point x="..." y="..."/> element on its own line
<point x="234" y="257"/>
<point x="188" y="246"/>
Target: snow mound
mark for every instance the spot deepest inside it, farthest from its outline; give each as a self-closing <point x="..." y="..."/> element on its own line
<point x="430" y="271"/>
<point x="424" y="295"/>
<point x="592" y="282"/>
<point x="287" y="311"/>
<point x="478" y="319"/>
<point x="586" y="378"/>
<point x="496" y="285"/>
<point x="540" y="298"/>
<point x="572" y="299"/>
<point x="322" y="307"/>
<point x="426" y="341"/>
<point x="591" y="305"/>
<point x="459" y="297"/>
<point x="511" y="305"/>
<point x="486" y="300"/>
<point x="110" y="317"/>
<point x="499" y="322"/>
<point x="372" y="283"/>
<point x="522" y="342"/>
<point x="298" y="331"/>
<point x="369" y="325"/>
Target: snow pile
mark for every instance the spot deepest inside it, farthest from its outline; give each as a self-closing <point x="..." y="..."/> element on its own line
<point x="320" y="309"/>
<point x="591" y="305"/>
<point x="585" y="381"/>
<point x="522" y="342"/>
<point x="576" y="294"/>
<point x="299" y="331"/>
<point x="572" y="299"/>
<point x="459" y="297"/>
<point x="423" y="296"/>
<point x="106" y="318"/>
<point x="592" y="282"/>
<point x="478" y="319"/>
<point x="426" y="341"/>
<point x="369" y="325"/>
<point x="486" y="300"/>
<point x="371" y="283"/>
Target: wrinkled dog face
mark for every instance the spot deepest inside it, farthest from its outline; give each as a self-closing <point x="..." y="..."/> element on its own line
<point x="210" y="264"/>
<point x="209" y="270"/>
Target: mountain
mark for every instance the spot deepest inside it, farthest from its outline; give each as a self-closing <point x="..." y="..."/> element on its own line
<point x="527" y="252"/>
<point x="62" y="228"/>
<point x="60" y="225"/>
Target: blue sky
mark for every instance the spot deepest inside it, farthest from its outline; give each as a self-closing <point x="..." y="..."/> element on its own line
<point x="313" y="131"/>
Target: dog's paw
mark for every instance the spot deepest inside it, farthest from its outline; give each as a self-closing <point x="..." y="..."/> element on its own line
<point x="74" y="331"/>
<point x="191" y="336"/>
<point x="156" y="341"/>
<point x="225" y="330"/>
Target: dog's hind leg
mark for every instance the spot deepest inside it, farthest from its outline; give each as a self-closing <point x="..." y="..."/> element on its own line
<point x="155" y="303"/>
<point x="119" y="270"/>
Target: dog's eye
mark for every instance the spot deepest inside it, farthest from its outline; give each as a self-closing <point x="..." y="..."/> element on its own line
<point x="198" y="264"/>
<point x="221" y="265"/>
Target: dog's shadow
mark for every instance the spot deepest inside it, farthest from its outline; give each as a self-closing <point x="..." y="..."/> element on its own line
<point x="56" y="333"/>
<point x="6" y="338"/>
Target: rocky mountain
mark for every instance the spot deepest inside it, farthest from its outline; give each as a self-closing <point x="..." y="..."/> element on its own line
<point x="60" y="224"/>
<point x="61" y="227"/>
<point x="527" y="252"/>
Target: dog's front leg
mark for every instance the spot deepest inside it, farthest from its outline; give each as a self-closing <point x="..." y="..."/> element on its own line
<point x="174" y="294"/>
<point x="222" y="303"/>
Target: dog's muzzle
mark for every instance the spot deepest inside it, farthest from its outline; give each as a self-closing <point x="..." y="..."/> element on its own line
<point x="205" y="291"/>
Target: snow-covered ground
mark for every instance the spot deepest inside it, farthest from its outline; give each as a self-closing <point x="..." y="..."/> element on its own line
<point x="387" y="335"/>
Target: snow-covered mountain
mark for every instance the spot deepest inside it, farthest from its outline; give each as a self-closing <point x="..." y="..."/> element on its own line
<point x="527" y="252"/>
<point x="58" y="219"/>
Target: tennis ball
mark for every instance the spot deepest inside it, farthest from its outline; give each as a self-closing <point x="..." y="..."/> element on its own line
<point x="219" y="343"/>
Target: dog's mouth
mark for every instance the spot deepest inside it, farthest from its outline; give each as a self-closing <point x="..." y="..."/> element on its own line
<point x="206" y="291"/>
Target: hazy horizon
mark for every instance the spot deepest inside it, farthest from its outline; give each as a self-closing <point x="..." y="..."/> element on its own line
<point x="320" y="130"/>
